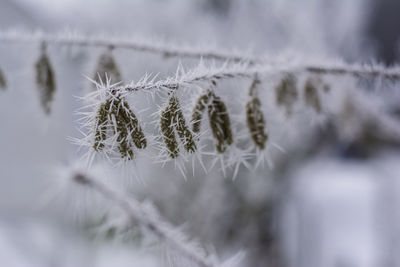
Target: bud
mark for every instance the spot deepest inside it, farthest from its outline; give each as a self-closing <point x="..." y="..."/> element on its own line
<point x="45" y="80"/>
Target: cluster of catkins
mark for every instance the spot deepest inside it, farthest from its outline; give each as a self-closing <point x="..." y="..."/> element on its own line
<point x="115" y="115"/>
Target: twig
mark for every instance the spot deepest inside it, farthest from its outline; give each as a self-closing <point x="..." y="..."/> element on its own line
<point x="138" y="215"/>
<point x="240" y="70"/>
<point x="139" y="44"/>
<point x="195" y="52"/>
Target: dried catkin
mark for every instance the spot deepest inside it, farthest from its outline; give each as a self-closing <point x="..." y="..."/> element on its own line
<point x="45" y="81"/>
<point x="286" y="93"/>
<point x="198" y="111"/>
<point x="255" y="118"/>
<point x="3" y="81"/>
<point x="311" y="95"/>
<point x="107" y="68"/>
<point x="220" y="123"/>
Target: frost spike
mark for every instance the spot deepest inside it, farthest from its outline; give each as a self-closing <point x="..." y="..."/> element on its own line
<point x="255" y="118"/>
<point x="45" y="80"/>
<point x="286" y="93"/>
<point x="107" y="68"/>
<point x="3" y="81"/>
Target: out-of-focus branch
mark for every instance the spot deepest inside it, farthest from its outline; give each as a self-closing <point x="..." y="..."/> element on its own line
<point x="139" y="215"/>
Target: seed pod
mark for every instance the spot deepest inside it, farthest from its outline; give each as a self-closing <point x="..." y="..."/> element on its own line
<point x="167" y="130"/>
<point x="45" y="81"/>
<point x="286" y="93"/>
<point x="172" y="117"/>
<point x="137" y="135"/>
<point x="121" y="129"/>
<point x="255" y="118"/>
<point x="198" y="111"/>
<point x="220" y="123"/>
<point x="311" y="96"/>
<point x="182" y="129"/>
<point x="107" y="68"/>
<point x="3" y="82"/>
<point x="101" y="126"/>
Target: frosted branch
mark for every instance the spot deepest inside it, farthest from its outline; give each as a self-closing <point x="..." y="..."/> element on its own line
<point x="156" y="46"/>
<point x="140" y="44"/>
<point x="137" y="213"/>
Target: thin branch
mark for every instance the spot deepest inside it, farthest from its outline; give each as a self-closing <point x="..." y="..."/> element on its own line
<point x="137" y="214"/>
<point x="229" y="71"/>
<point x="160" y="47"/>
<point x="139" y="44"/>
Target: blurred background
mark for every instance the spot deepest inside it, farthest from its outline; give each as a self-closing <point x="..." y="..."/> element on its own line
<point x="328" y="201"/>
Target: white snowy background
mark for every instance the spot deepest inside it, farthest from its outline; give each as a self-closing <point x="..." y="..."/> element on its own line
<point x="336" y="211"/>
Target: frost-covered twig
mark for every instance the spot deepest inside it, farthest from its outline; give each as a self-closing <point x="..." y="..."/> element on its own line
<point x="141" y="44"/>
<point x="138" y="214"/>
<point x="156" y="46"/>
<point x="244" y="70"/>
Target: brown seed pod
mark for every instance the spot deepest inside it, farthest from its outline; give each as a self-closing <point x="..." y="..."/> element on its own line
<point x="172" y="117"/>
<point x="198" y="110"/>
<point x="255" y="118"/>
<point x="3" y="81"/>
<point x="311" y="95"/>
<point x="107" y="68"/>
<point x="286" y="93"/>
<point x="131" y="121"/>
<point x="101" y="126"/>
<point x="167" y="130"/>
<point x="220" y="123"/>
<point x="182" y="129"/>
<point x="45" y="81"/>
